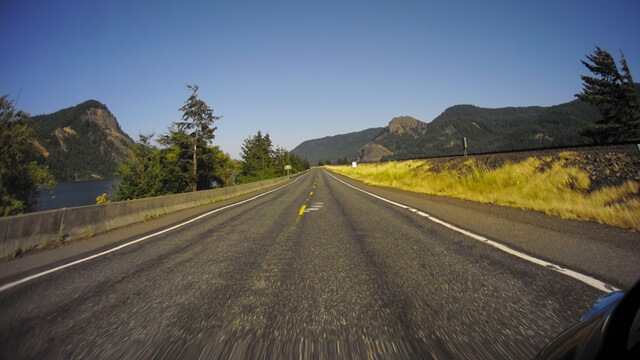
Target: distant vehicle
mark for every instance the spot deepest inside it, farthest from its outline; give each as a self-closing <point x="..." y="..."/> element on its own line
<point x="610" y="330"/>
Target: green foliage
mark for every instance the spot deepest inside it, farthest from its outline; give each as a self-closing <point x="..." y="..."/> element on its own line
<point x="198" y="118"/>
<point x="320" y="163"/>
<point x="20" y="173"/>
<point x="82" y="142"/>
<point x="185" y="161"/>
<point x="151" y="171"/>
<point x="261" y="161"/>
<point x="343" y="161"/>
<point x="616" y="97"/>
<point x="215" y="168"/>
<point x="297" y="163"/>
<point x="257" y="158"/>
<point x="140" y="172"/>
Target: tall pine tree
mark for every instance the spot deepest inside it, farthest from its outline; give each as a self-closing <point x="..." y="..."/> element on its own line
<point x="257" y="157"/>
<point x="614" y="95"/>
<point x="198" y="118"/>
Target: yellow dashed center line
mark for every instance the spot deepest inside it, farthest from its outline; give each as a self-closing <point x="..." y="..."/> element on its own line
<point x="302" y="209"/>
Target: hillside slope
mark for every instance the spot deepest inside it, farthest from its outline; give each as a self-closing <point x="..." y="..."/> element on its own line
<point x="486" y="130"/>
<point x="81" y="142"/>
<point x="505" y="129"/>
<point x="334" y="147"/>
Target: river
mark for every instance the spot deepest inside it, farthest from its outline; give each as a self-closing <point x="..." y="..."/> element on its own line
<point x="75" y="193"/>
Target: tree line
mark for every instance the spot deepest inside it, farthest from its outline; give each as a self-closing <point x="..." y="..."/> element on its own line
<point x="187" y="161"/>
<point x="340" y="161"/>
<point x="180" y="160"/>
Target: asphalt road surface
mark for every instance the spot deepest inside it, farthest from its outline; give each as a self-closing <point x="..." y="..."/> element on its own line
<point x="345" y="276"/>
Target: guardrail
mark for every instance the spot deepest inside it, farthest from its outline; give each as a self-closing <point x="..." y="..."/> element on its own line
<point x="27" y="230"/>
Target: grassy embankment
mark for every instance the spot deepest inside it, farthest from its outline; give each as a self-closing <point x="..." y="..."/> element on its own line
<point x="552" y="185"/>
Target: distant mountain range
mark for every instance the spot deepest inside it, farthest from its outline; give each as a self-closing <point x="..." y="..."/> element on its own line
<point x="81" y="142"/>
<point x="486" y="130"/>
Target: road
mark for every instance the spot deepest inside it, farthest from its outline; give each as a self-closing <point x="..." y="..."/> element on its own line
<point x="346" y="276"/>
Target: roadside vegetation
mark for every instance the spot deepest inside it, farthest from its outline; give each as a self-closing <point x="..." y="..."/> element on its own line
<point x="615" y="95"/>
<point x="182" y="159"/>
<point x="187" y="161"/>
<point x="20" y="170"/>
<point x="554" y="185"/>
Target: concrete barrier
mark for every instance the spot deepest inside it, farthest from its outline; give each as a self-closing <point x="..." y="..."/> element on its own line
<point x="27" y="230"/>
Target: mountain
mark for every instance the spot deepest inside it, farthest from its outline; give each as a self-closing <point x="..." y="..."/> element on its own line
<point x="334" y="147"/>
<point x="486" y="130"/>
<point x="81" y="142"/>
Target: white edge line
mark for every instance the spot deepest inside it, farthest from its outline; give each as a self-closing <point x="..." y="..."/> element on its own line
<point x="574" y="274"/>
<point x="35" y="276"/>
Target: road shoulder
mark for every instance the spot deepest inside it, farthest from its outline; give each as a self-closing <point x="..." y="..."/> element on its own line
<point x="607" y="253"/>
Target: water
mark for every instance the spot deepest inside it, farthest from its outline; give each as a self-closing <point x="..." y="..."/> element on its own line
<point x="75" y="193"/>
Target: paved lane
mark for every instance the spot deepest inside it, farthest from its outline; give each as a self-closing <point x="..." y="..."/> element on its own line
<point x="351" y="277"/>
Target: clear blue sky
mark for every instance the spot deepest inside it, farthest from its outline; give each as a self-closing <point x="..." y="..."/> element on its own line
<point x="303" y="69"/>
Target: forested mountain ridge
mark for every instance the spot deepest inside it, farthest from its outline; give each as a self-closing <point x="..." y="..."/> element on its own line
<point x="486" y="130"/>
<point x="337" y="146"/>
<point x="81" y="142"/>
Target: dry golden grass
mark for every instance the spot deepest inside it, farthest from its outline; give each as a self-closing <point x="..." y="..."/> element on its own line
<point x="536" y="183"/>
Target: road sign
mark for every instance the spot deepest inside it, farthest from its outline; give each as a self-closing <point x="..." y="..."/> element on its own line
<point x="287" y="167"/>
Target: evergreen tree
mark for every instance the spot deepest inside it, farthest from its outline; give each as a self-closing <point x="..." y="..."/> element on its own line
<point x="216" y="169"/>
<point x="297" y="163"/>
<point x="257" y="158"/>
<point x="149" y="171"/>
<point x="614" y="95"/>
<point x="343" y="161"/>
<point x="178" y="155"/>
<point x="197" y="117"/>
<point x="281" y="159"/>
<point x="139" y="173"/>
<point x="20" y="173"/>
<point x="226" y="169"/>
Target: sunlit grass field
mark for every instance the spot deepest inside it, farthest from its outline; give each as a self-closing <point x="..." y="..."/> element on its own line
<point x="537" y="183"/>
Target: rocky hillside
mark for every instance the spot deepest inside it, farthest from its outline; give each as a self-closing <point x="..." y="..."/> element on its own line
<point x="81" y="142"/>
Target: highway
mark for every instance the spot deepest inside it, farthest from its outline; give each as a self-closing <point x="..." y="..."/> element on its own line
<point x="314" y="269"/>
